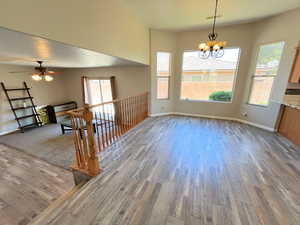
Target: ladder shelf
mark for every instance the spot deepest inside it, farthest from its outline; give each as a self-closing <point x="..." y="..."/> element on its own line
<point x="36" y="119"/>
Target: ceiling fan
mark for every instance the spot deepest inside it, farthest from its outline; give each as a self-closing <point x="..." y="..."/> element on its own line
<point x="41" y="73"/>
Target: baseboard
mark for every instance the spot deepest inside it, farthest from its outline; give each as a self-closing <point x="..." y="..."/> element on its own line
<point x="8" y="132"/>
<point x="162" y="114"/>
<point x="217" y="118"/>
<point x="256" y="125"/>
<point x="204" y="116"/>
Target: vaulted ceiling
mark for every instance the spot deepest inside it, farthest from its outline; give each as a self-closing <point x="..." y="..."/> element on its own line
<point x="185" y="14"/>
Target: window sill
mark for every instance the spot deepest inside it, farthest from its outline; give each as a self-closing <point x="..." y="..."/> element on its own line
<point x="251" y="104"/>
<point x="205" y="101"/>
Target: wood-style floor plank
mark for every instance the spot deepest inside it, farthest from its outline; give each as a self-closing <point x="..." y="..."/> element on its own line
<point x="190" y="171"/>
<point x="28" y="186"/>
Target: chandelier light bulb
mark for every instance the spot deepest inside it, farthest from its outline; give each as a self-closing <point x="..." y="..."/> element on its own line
<point x="216" y="47"/>
<point x="202" y="46"/>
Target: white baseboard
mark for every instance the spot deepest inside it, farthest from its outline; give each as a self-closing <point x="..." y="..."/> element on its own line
<point x="162" y="114"/>
<point x="8" y="132"/>
<point x="204" y="116"/>
<point x="256" y="125"/>
<point x="215" y="117"/>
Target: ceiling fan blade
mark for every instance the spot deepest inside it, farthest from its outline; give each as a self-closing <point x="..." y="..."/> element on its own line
<point x="25" y="71"/>
<point x="52" y="74"/>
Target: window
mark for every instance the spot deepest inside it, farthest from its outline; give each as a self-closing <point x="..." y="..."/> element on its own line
<point x="266" y="69"/>
<point x="97" y="90"/>
<point x="209" y="79"/>
<point x="163" y="61"/>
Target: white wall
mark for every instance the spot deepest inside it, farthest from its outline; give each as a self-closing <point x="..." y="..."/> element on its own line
<point x="129" y="80"/>
<point x="100" y="25"/>
<point x="44" y="93"/>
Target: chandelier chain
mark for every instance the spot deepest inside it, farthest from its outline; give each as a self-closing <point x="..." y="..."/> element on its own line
<point x="215" y="17"/>
<point x="212" y="48"/>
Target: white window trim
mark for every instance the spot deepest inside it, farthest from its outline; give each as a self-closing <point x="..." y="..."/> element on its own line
<point x="210" y="101"/>
<point x="88" y="88"/>
<point x="168" y="77"/>
<point x="274" y="76"/>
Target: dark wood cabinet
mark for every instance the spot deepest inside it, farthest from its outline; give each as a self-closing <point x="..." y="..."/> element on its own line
<point x="295" y="74"/>
<point x="57" y="113"/>
<point x="289" y="125"/>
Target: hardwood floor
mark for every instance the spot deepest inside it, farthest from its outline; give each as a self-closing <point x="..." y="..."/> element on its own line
<point x="28" y="185"/>
<point x="187" y="171"/>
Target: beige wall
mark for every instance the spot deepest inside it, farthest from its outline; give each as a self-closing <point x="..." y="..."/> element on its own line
<point x="246" y="36"/>
<point x="165" y="42"/>
<point x="284" y="27"/>
<point x="67" y="86"/>
<point x="108" y="27"/>
<point x="129" y="80"/>
<point x="43" y="92"/>
<point x="237" y="36"/>
<point x="100" y="25"/>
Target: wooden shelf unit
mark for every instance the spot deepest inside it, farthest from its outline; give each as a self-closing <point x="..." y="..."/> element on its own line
<point x="34" y="115"/>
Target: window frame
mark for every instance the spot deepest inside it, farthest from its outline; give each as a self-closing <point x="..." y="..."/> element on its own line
<point x="87" y="89"/>
<point x="158" y="77"/>
<point x="252" y="77"/>
<point x="234" y="80"/>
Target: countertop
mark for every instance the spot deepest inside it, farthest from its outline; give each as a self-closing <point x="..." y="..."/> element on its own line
<point x="292" y="101"/>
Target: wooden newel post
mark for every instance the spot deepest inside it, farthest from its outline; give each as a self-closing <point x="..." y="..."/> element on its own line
<point x="93" y="161"/>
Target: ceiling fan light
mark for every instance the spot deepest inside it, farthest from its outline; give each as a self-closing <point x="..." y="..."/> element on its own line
<point x="36" y="77"/>
<point x="48" y="78"/>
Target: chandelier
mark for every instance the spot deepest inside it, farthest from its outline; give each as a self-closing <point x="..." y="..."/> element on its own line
<point x="212" y="48"/>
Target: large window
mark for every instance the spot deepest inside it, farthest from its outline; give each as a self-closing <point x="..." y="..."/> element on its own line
<point x="209" y="79"/>
<point x="266" y="69"/>
<point x="163" y="62"/>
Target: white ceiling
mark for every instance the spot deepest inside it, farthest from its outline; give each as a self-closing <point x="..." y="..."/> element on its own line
<point x="22" y="49"/>
<point x="187" y="14"/>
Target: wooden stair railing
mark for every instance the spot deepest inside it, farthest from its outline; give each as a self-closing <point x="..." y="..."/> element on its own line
<point x="95" y="127"/>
